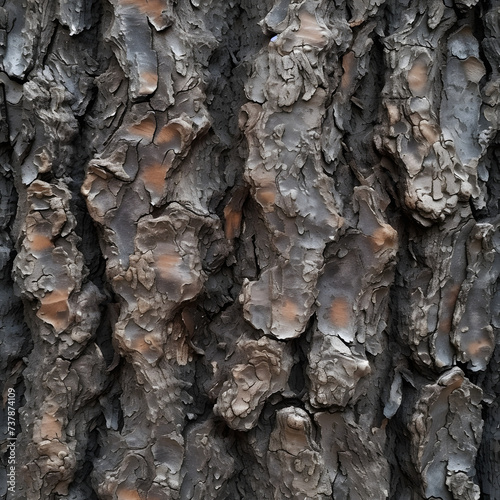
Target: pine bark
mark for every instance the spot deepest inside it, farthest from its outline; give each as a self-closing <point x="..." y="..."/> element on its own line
<point x="250" y="250"/>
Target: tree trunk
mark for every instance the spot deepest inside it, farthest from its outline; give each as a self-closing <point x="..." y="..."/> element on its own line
<point x="250" y="251"/>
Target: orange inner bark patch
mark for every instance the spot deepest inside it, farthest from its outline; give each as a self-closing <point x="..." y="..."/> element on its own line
<point x="349" y="67"/>
<point x="474" y="69"/>
<point x="135" y="338"/>
<point x="149" y="82"/>
<point x="340" y="312"/>
<point x="394" y="114"/>
<point x="153" y="8"/>
<point x="310" y="31"/>
<point x="481" y="346"/>
<point x="233" y="221"/>
<point x="289" y="310"/>
<point x="165" y="264"/>
<point x="55" y="309"/>
<point x="127" y="494"/>
<point x="429" y="131"/>
<point x="266" y="196"/>
<point x="417" y="76"/>
<point x="39" y="242"/>
<point x="153" y="177"/>
<point x="145" y="129"/>
<point x="50" y="427"/>
<point x="448" y="307"/>
<point x="170" y="135"/>
<point x="384" y="236"/>
<point x="147" y="345"/>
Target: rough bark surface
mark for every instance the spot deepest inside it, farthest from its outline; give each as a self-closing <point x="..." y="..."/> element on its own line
<point x="250" y="250"/>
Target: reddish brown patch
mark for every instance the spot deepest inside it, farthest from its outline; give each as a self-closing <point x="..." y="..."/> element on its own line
<point x="127" y="494"/>
<point x="479" y="346"/>
<point x="153" y="177"/>
<point x="40" y="242"/>
<point x="170" y="135"/>
<point x="55" y="309"/>
<point x="145" y="129"/>
<point x="340" y="312"/>
<point x="152" y="8"/>
<point x="456" y="384"/>
<point x="266" y="196"/>
<point x="384" y="236"/>
<point x="233" y="221"/>
<point x="349" y="66"/>
<point x="448" y="307"/>
<point x="165" y="264"/>
<point x="417" y="76"/>
<point x="289" y="310"/>
<point x="149" y="82"/>
<point x="147" y="345"/>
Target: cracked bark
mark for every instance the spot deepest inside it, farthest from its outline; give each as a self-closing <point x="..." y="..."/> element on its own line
<point x="250" y="250"/>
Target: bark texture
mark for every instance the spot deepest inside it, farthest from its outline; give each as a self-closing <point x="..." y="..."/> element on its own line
<point x="250" y="250"/>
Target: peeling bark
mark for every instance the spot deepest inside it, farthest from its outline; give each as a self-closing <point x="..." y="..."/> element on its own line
<point x="250" y="250"/>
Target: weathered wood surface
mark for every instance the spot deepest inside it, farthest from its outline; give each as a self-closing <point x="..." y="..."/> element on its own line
<point x="251" y="249"/>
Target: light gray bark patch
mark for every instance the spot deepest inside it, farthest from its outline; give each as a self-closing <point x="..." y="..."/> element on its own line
<point x="29" y="32"/>
<point x="300" y="224"/>
<point x="353" y="456"/>
<point x="437" y="424"/>
<point x="76" y="15"/>
<point x="426" y="133"/>
<point x="132" y="39"/>
<point x="472" y="332"/>
<point x="352" y="304"/>
<point x="295" y="458"/>
<point x="263" y="370"/>
<point x="438" y="291"/>
<point x="289" y="184"/>
<point x="462" y="75"/>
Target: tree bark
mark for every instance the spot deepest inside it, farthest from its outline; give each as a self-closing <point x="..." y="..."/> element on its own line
<point x="250" y="250"/>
